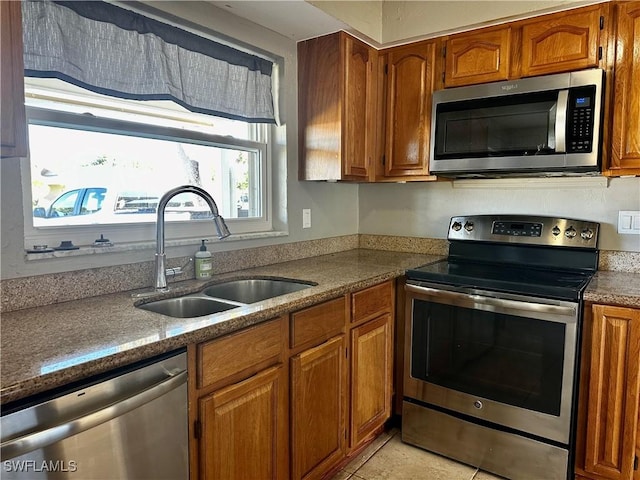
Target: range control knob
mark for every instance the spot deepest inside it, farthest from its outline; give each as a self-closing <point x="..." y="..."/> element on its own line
<point x="570" y="232"/>
<point x="556" y="231"/>
<point x="468" y="226"/>
<point x="587" y="234"/>
<point x="456" y="226"/>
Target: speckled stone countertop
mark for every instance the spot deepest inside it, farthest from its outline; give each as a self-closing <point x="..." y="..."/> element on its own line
<point x="614" y="288"/>
<point x="48" y="347"/>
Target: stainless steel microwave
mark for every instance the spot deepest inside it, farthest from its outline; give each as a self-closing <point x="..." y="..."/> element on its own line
<point x="548" y="125"/>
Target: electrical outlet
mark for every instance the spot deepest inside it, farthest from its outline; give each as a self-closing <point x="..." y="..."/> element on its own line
<point x="629" y="222"/>
<point x="306" y="218"/>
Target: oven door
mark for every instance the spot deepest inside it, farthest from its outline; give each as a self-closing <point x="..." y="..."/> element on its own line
<point x="506" y="359"/>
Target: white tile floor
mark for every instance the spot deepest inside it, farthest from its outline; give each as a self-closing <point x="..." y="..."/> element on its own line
<point x="387" y="458"/>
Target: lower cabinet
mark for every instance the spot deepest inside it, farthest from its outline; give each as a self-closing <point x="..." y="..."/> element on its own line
<point x="608" y="441"/>
<point x="371" y="377"/>
<point x="318" y="409"/>
<point x="290" y="398"/>
<point x="244" y="428"/>
<point x="239" y="405"/>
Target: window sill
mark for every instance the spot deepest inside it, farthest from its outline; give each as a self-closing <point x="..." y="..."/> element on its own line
<point x="151" y="245"/>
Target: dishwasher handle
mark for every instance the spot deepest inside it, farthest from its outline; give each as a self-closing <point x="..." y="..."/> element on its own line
<point x="33" y="441"/>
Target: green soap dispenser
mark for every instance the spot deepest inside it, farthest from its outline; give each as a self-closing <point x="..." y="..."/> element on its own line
<point x="204" y="263"/>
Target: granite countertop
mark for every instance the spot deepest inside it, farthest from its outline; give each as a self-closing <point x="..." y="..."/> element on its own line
<point x="48" y="347"/>
<point x="614" y="288"/>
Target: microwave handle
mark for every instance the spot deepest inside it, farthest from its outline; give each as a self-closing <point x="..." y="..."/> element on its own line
<point x="561" y="121"/>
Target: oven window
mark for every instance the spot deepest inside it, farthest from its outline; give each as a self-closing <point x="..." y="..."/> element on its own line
<point x="508" y="359"/>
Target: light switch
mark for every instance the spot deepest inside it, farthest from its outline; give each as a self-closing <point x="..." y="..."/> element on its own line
<point x="306" y="218"/>
<point x="629" y="222"/>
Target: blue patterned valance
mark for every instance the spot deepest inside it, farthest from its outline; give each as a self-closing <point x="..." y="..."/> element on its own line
<point x="117" y="52"/>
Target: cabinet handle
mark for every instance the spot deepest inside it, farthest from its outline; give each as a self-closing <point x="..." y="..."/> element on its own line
<point x="635" y="463"/>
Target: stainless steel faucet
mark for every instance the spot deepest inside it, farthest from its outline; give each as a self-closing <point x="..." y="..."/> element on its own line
<point x="221" y="227"/>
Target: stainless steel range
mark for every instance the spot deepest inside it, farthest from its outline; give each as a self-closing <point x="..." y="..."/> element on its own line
<point x="492" y="337"/>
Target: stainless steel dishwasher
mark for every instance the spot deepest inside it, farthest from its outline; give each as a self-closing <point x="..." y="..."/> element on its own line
<point x="129" y="424"/>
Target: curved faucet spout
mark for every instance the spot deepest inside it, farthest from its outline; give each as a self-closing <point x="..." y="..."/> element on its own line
<point x="221" y="227"/>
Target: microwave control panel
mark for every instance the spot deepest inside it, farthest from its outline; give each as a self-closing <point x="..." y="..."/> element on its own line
<point x="580" y="119"/>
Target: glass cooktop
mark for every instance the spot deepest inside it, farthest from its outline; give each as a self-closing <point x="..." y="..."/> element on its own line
<point x="523" y="280"/>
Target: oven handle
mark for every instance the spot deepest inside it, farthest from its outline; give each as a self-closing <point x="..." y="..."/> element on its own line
<point x="464" y="299"/>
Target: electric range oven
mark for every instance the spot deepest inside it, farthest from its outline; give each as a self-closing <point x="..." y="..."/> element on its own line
<point x="492" y="337"/>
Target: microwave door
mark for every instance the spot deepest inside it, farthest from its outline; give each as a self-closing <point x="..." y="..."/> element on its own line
<point x="519" y="125"/>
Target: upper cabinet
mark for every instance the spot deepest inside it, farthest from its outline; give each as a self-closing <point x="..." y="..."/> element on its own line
<point x="554" y="43"/>
<point x="337" y="84"/>
<point x="477" y="57"/>
<point x="562" y="42"/>
<point x="13" y="133"/>
<point x="625" y="136"/>
<point x="406" y="93"/>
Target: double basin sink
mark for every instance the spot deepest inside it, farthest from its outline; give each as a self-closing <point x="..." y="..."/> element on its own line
<point x="224" y="296"/>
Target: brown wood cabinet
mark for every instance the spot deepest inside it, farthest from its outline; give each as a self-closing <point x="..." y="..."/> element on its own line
<point x="553" y="43"/>
<point x="318" y="388"/>
<point x="337" y="84"/>
<point x="238" y="405"/>
<point x="478" y="56"/>
<point x="406" y="92"/>
<point x="607" y="437"/>
<point x="562" y="42"/>
<point x="625" y="136"/>
<point x="291" y="397"/>
<point x="371" y="353"/>
<point x="13" y="131"/>
<point x="244" y="428"/>
<point x="371" y="377"/>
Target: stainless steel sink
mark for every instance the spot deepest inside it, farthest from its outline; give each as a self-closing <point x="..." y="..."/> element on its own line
<point x="254" y="289"/>
<point x="187" y="307"/>
<point x="224" y="296"/>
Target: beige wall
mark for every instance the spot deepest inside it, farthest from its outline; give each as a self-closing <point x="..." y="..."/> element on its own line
<point x="424" y="210"/>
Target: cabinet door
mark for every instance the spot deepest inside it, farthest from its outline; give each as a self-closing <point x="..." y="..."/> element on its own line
<point x="318" y="409"/>
<point x="625" y="139"/>
<point x="13" y="131"/>
<point x="360" y="133"/>
<point x="561" y="42"/>
<point x="371" y="377"/>
<point x="477" y="57"/>
<point x="614" y="392"/>
<point x="409" y="84"/>
<point x="244" y="429"/>
<point x="337" y="84"/>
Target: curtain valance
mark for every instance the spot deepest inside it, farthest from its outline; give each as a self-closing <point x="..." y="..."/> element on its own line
<point x="117" y="52"/>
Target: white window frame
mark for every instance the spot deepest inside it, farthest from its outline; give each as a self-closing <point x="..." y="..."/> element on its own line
<point x="133" y="233"/>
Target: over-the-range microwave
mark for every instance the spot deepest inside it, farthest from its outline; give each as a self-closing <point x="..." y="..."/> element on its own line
<point x="547" y="125"/>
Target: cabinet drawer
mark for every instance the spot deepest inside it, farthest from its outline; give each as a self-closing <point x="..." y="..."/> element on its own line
<point x="244" y="352"/>
<point x="372" y="301"/>
<point x="318" y="323"/>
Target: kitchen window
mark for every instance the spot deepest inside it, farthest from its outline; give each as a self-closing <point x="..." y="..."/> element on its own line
<point x="123" y="106"/>
<point x="98" y="165"/>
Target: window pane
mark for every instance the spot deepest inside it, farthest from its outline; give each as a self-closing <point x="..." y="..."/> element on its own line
<point x="84" y="177"/>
